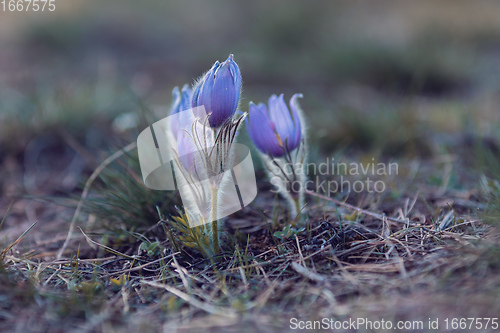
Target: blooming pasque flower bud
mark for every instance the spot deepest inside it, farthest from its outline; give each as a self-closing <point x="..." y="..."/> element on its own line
<point x="182" y="102"/>
<point x="219" y="91"/>
<point x="275" y="131"/>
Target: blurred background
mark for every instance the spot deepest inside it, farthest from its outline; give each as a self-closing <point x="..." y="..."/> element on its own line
<point x="394" y="79"/>
<point x="415" y="82"/>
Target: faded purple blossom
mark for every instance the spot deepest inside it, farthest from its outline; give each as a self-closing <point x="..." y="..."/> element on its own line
<point x="275" y="130"/>
<point x="182" y="102"/>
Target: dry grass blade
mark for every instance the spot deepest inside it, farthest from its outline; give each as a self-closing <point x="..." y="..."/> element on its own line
<point x="6" y="214"/>
<point x="374" y="268"/>
<point x="212" y="309"/>
<point x="107" y="248"/>
<point x="85" y="192"/>
<point x="7" y="249"/>
<point x="364" y="211"/>
<point x="138" y="268"/>
<point x="307" y="273"/>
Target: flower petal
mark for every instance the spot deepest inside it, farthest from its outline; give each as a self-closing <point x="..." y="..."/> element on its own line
<point x="261" y="131"/>
<point x="202" y="95"/>
<point x="223" y="96"/>
<point x="185" y="98"/>
<point x="236" y="74"/>
<point x="280" y="115"/>
<point x="177" y="100"/>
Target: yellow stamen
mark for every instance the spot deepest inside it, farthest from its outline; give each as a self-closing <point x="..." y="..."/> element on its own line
<point x="279" y="139"/>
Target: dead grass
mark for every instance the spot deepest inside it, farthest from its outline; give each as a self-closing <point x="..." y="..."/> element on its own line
<point x="399" y="259"/>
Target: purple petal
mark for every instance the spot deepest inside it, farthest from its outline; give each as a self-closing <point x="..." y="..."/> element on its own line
<point x="280" y="115"/>
<point x="261" y="130"/>
<point x="185" y="102"/>
<point x="223" y="96"/>
<point x="177" y="100"/>
<point x="203" y="93"/>
<point x="236" y="74"/>
<point x="195" y="94"/>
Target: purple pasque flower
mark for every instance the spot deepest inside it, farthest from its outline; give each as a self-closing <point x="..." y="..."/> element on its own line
<point x="275" y="131"/>
<point x="219" y="91"/>
<point x="182" y="99"/>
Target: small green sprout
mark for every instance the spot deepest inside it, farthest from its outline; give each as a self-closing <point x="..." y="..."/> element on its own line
<point x="152" y="248"/>
<point x="288" y="232"/>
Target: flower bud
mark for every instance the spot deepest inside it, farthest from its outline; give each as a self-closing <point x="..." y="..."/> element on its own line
<point x="219" y="91"/>
<point x="182" y="102"/>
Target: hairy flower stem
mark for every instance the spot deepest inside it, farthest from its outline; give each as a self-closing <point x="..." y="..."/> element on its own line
<point x="215" y="232"/>
<point x="299" y="217"/>
<point x="297" y="206"/>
